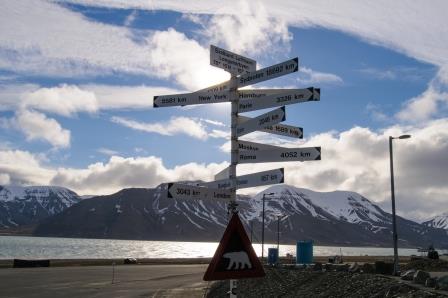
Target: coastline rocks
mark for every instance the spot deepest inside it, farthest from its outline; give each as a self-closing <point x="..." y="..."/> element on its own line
<point x="368" y="268"/>
<point x="442" y="283"/>
<point x="420" y="277"/>
<point x="408" y="275"/>
<point x="384" y="268"/>
<point x="354" y="268"/>
<point x="431" y="282"/>
<point x="282" y="282"/>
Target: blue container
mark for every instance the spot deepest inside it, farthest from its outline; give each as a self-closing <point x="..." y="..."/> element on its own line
<point x="272" y="256"/>
<point x="304" y="252"/>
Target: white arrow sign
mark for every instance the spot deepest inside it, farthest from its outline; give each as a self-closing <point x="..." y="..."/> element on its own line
<point x="251" y="180"/>
<point x="231" y="62"/>
<point x="278" y="129"/>
<point x="252" y="146"/>
<point x="279" y="155"/>
<point x="183" y="191"/>
<point x="251" y="100"/>
<point x="224" y="174"/>
<point x="268" y="73"/>
<point x="269" y="118"/>
<point x="190" y="99"/>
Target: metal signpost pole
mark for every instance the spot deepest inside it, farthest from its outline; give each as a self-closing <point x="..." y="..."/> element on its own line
<point x="233" y="157"/>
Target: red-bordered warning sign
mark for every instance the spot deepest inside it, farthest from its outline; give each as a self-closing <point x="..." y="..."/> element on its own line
<point x="235" y="258"/>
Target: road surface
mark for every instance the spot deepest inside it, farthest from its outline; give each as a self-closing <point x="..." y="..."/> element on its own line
<point x="96" y="281"/>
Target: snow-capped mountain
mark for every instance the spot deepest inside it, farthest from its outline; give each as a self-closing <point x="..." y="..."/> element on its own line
<point x="27" y="205"/>
<point x="439" y="221"/>
<point x="333" y="218"/>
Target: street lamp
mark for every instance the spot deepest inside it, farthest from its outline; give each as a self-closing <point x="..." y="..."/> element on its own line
<point x="262" y="225"/>
<point x="279" y="219"/>
<point x="392" y="188"/>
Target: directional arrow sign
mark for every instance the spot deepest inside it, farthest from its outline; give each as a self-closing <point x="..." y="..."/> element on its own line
<point x="268" y="73"/>
<point x="224" y="174"/>
<point x="316" y="93"/>
<point x="269" y="118"/>
<point x="190" y="99"/>
<point x="231" y="62"/>
<point x="278" y="129"/>
<point x="279" y="155"/>
<point x="251" y="100"/>
<point x="252" y="146"/>
<point x="224" y="86"/>
<point x="251" y="180"/>
<point x="183" y="191"/>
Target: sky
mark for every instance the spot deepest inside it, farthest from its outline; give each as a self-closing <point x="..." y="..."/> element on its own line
<point x="77" y="80"/>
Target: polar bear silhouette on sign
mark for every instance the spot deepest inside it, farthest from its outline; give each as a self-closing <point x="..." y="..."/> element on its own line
<point x="239" y="259"/>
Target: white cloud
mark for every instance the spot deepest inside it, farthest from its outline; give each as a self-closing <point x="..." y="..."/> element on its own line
<point x="309" y="76"/>
<point x="107" y="151"/>
<point x="67" y="100"/>
<point x="130" y="18"/>
<point x="375" y="112"/>
<point x="4" y="179"/>
<point x="176" y="125"/>
<point x="119" y="172"/>
<point x="403" y="73"/>
<point x="126" y="97"/>
<point x="427" y="104"/>
<point x="24" y="168"/>
<point x="174" y="56"/>
<point x="249" y="29"/>
<point x="213" y="122"/>
<point x="31" y="43"/>
<point x="36" y="126"/>
<point x="64" y="100"/>
<point x="373" y="22"/>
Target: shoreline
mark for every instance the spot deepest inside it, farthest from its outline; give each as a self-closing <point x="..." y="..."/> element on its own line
<point x="8" y="263"/>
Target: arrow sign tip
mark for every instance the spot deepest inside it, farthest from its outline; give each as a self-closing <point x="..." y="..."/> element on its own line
<point x="169" y="193"/>
<point x="283" y="175"/>
<point x="316" y="94"/>
<point x="318" y="157"/>
<point x="296" y="60"/>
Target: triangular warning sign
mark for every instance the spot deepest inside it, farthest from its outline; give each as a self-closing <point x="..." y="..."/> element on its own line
<point x="235" y="258"/>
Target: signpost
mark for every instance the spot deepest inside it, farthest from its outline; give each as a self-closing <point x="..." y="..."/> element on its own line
<point x="251" y="100"/>
<point x="252" y="146"/>
<point x="190" y="99"/>
<point x="224" y="174"/>
<point x="268" y="73"/>
<point x="269" y="118"/>
<point x="189" y="192"/>
<point x="279" y="155"/>
<point x="235" y="257"/>
<point x="278" y="129"/>
<point x="231" y="62"/>
<point x="251" y="180"/>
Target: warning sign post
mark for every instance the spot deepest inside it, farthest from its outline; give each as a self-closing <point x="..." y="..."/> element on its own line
<point x="235" y="257"/>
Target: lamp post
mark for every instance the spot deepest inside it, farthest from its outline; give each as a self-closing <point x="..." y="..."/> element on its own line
<point x="262" y="225"/>
<point x="279" y="219"/>
<point x="392" y="188"/>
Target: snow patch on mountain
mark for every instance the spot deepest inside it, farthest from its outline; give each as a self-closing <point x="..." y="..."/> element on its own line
<point x="439" y="221"/>
<point x="27" y="205"/>
<point x="341" y="205"/>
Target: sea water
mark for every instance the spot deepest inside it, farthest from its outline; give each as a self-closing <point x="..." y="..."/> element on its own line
<point x="74" y="248"/>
